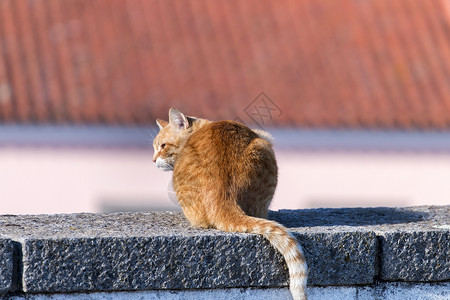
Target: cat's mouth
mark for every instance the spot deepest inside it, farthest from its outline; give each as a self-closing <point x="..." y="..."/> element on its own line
<point x="163" y="165"/>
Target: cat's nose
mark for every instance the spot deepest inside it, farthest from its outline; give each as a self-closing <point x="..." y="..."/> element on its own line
<point x="154" y="159"/>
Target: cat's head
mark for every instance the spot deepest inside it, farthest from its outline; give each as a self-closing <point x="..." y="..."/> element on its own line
<point x="170" y="139"/>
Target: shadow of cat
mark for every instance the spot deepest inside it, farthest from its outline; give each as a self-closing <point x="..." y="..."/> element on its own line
<point x="346" y="216"/>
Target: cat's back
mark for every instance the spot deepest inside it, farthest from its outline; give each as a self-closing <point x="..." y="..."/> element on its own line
<point x="226" y="139"/>
<point x="226" y="146"/>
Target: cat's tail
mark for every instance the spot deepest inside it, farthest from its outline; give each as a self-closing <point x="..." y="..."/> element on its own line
<point x="283" y="241"/>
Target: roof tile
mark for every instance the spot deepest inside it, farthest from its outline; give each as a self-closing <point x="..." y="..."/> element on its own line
<point x="351" y="64"/>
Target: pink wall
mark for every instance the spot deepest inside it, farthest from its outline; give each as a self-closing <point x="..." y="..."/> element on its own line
<point x="67" y="180"/>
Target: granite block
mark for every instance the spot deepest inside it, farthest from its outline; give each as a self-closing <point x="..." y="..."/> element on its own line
<point x="160" y="262"/>
<point x="6" y="266"/>
<point x="420" y="256"/>
<point x="340" y="258"/>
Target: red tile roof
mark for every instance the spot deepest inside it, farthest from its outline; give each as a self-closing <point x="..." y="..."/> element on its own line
<point x="347" y="63"/>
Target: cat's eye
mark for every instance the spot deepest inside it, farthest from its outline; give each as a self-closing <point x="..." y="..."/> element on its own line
<point x="163" y="146"/>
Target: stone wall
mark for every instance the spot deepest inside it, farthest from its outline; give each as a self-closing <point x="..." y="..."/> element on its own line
<point x="158" y="251"/>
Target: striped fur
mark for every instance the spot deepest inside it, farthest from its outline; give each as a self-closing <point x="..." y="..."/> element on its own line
<point x="281" y="240"/>
<point x="224" y="176"/>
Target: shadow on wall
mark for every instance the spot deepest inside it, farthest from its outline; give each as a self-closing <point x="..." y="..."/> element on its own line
<point x="139" y="205"/>
<point x="345" y="216"/>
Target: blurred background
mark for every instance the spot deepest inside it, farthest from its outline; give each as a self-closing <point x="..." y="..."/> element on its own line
<point x="356" y="94"/>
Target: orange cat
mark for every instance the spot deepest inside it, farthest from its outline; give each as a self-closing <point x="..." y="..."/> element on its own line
<point x="224" y="176"/>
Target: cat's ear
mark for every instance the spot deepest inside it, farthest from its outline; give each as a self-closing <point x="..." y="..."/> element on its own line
<point x="177" y="119"/>
<point x="161" y="123"/>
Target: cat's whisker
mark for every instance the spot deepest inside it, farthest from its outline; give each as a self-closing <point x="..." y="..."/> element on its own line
<point x="154" y="130"/>
<point x="153" y="137"/>
<point x="149" y="132"/>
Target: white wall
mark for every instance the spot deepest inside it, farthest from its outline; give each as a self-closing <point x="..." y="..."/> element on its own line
<point x="66" y="180"/>
<point x="387" y="291"/>
<point x="333" y="179"/>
